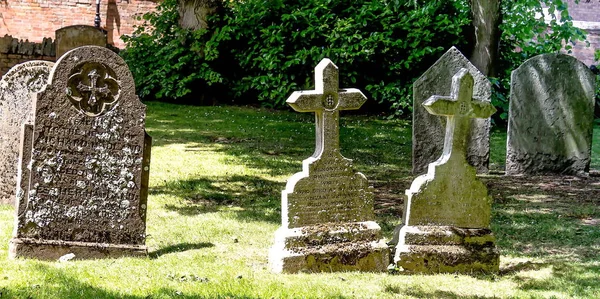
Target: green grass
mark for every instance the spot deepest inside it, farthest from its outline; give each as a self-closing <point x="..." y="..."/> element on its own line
<point x="214" y="205"/>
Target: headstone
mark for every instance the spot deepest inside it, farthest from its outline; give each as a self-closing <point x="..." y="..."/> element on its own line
<point x="445" y="227"/>
<point x="551" y="117"/>
<point x="327" y="209"/>
<point x="71" y="37"/>
<point x="84" y="163"/>
<point x="428" y="129"/>
<point x="16" y="109"/>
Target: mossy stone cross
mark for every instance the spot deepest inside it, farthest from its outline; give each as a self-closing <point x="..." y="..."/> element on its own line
<point x="459" y="108"/>
<point x="326" y="100"/>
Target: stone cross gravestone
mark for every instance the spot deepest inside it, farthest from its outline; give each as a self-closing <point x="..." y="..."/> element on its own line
<point x="428" y="129"/>
<point x="551" y="116"/>
<point x="71" y="37"/>
<point x="447" y="211"/>
<point x="16" y="109"/>
<point x="327" y="209"/>
<point x="84" y="163"/>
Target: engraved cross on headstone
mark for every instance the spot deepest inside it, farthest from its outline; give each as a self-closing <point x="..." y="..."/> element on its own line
<point x="326" y="101"/>
<point x="459" y="108"/>
<point x="94" y="76"/>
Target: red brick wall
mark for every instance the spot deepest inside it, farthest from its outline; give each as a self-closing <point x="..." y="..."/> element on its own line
<point x="586" y="10"/>
<point x="36" y="19"/>
<point x="586" y="54"/>
<point x="586" y="14"/>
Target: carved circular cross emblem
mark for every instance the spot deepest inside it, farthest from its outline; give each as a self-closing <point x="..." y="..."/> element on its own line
<point x="93" y="88"/>
<point x="330" y="102"/>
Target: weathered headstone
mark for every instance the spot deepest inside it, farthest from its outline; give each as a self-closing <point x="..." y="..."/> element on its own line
<point x="16" y="109"/>
<point x="551" y="117"/>
<point x="327" y="209"/>
<point x="71" y="37"/>
<point x="428" y="129"/>
<point x="447" y="211"/>
<point x="84" y="163"/>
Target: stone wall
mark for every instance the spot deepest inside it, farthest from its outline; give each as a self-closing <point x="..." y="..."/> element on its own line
<point x="36" y="19"/>
<point x="14" y="51"/>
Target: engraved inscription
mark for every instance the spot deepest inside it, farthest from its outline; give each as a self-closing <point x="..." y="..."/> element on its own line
<point x="87" y="171"/>
<point x="93" y="88"/>
<point x="332" y="193"/>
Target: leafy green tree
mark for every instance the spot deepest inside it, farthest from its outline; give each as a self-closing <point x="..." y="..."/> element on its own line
<point x="526" y="33"/>
<point x="258" y="52"/>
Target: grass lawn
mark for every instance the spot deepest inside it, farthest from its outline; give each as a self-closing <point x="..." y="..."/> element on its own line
<point x="215" y="184"/>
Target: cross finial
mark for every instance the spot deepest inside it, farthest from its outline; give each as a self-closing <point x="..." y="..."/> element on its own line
<point x="459" y="108"/>
<point x="326" y="100"/>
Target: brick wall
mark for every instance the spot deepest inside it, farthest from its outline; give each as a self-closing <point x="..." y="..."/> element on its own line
<point x="586" y="15"/>
<point x="584" y="53"/>
<point x="586" y="10"/>
<point x="36" y="19"/>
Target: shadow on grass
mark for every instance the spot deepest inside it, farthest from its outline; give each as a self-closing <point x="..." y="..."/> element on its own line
<point x="179" y="248"/>
<point x="58" y="283"/>
<point x="277" y="141"/>
<point x="578" y="280"/>
<point x="556" y="217"/>
<point x="254" y="198"/>
<point x="420" y="292"/>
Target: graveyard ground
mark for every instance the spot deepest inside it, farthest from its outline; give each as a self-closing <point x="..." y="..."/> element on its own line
<point x="215" y="182"/>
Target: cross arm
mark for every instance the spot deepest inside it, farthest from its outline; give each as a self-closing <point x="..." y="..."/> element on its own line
<point x="305" y="101"/>
<point x="351" y="99"/>
<point x="482" y="109"/>
<point x="440" y="105"/>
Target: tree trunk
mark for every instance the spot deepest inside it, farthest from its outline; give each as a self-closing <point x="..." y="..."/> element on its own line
<point x="193" y="13"/>
<point x="487" y="17"/>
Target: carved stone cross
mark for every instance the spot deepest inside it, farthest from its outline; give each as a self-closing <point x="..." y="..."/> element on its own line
<point x="326" y="100"/>
<point x="104" y="91"/>
<point x="459" y="108"/>
<point x="93" y="88"/>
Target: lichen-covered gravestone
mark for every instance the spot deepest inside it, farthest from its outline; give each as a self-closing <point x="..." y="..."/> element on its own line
<point x="447" y="211"/>
<point x="16" y="109"/>
<point x="84" y="163"/>
<point x="428" y="129"/>
<point x="327" y="209"/>
<point x="551" y="116"/>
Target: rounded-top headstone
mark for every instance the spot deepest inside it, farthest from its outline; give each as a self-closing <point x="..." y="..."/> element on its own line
<point x="16" y="108"/>
<point x="551" y="116"/>
<point x="85" y="163"/>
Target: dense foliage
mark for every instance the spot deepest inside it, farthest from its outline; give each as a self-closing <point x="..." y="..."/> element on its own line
<point x="261" y="50"/>
<point x="169" y="62"/>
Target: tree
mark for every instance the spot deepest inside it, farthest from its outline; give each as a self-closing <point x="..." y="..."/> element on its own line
<point x="487" y="17"/>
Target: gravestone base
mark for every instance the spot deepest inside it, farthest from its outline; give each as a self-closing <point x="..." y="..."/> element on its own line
<point x="53" y="250"/>
<point x="330" y="248"/>
<point x="446" y="249"/>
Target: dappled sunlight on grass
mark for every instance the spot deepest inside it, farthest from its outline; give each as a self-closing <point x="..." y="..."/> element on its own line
<point x="214" y="205"/>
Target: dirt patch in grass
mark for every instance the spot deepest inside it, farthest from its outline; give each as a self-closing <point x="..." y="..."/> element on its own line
<point x="569" y="189"/>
